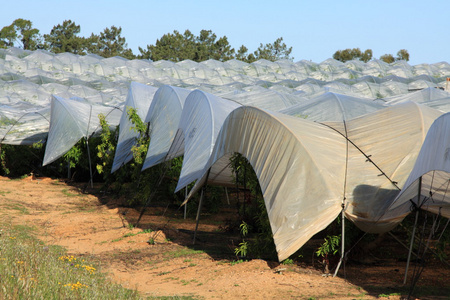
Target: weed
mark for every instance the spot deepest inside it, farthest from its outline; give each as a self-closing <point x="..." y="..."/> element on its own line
<point x="182" y="252"/>
<point x="388" y="295"/>
<point x="235" y="262"/>
<point x="287" y="261"/>
<point x="162" y="273"/>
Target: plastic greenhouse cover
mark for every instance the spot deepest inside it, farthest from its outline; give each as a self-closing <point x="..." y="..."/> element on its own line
<point x="200" y="122"/>
<point x="383" y="147"/>
<point x="332" y="107"/>
<point x="140" y="97"/>
<point x="430" y="174"/>
<point x="164" y="116"/>
<point x="266" y="99"/>
<point x="21" y="126"/>
<point x="286" y="171"/>
<point x="425" y="96"/>
<point x="302" y="187"/>
<point x="28" y="79"/>
<point x="71" y="120"/>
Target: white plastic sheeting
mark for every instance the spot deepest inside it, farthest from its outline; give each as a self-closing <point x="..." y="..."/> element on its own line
<point x="164" y="116"/>
<point x="432" y="97"/>
<point x="303" y="166"/>
<point x="30" y="78"/>
<point x="201" y="119"/>
<point x="139" y="98"/>
<point x="296" y="160"/>
<point x="430" y="177"/>
<point x="266" y="99"/>
<point x="302" y="187"/>
<point x="383" y="147"/>
<point x="332" y="107"/>
<point x="20" y="126"/>
<point x="71" y="120"/>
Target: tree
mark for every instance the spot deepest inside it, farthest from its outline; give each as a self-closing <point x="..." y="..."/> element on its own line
<point x="64" y="38"/>
<point x="20" y="31"/>
<point x="208" y="47"/>
<point x="109" y="44"/>
<point x="355" y="53"/>
<point x="388" y="58"/>
<point x="403" y="54"/>
<point x="177" y="47"/>
<point x="174" y="47"/>
<point x="273" y="52"/>
<point x="7" y="36"/>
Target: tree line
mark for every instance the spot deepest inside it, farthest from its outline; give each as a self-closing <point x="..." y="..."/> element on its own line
<point x="110" y="42"/>
<point x="356" y="53"/>
<point x="174" y="46"/>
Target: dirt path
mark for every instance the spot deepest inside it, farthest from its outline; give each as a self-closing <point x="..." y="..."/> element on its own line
<point x="163" y="262"/>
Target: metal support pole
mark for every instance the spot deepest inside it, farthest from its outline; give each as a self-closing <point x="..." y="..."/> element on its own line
<point x="342" y="240"/>
<point x="90" y="163"/>
<point x="226" y="193"/>
<point x="414" y="230"/>
<point x="185" y="205"/>
<point x="198" y="215"/>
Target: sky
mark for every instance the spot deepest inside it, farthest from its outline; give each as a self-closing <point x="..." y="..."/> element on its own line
<point x="315" y="29"/>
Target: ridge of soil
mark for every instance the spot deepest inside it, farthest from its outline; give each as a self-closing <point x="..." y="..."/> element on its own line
<point x="159" y="258"/>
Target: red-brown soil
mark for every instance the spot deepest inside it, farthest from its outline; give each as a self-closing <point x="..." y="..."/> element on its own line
<point x="165" y="262"/>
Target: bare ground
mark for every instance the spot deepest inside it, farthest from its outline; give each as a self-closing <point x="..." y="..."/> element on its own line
<point x="164" y="262"/>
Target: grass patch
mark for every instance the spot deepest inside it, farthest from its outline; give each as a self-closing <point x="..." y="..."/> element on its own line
<point x="69" y="194"/>
<point x="182" y="252"/>
<point x="3" y="193"/>
<point x="31" y="270"/>
<point x="16" y="206"/>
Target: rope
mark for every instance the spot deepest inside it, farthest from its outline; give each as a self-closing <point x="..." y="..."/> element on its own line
<point x="368" y="159"/>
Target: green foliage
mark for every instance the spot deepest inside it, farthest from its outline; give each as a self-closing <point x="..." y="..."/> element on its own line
<point x="244" y="228"/>
<point x="75" y="154"/>
<point x="330" y="246"/>
<point x="177" y="47"/>
<point x="242" y="250"/>
<point x="273" y="51"/>
<point x="110" y="43"/>
<point x="351" y="54"/>
<point x="401" y="55"/>
<point x="19" y="160"/>
<point x="252" y="210"/>
<point x="22" y="31"/>
<point x="106" y="148"/>
<point x="288" y="262"/>
<point x="4" y="167"/>
<point x="387" y="58"/>
<point x="64" y="38"/>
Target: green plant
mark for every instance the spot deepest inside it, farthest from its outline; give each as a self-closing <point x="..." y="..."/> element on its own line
<point x="388" y="295"/>
<point x="235" y="262"/>
<point x="242" y="249"/>
<point x="288" y="262"/>
<point x="329" y="247"/>
<point x="106" y="148"/>
<point x="252" y="210"/>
